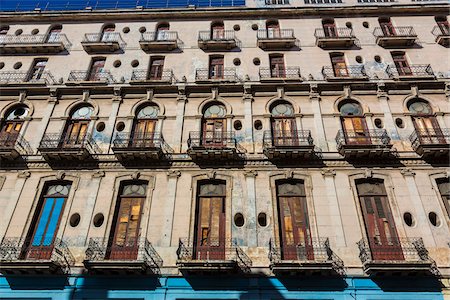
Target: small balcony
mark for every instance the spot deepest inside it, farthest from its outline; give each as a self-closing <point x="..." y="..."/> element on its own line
<point x="24" y="78"/>
<point x="106" y="42"/>
<point x="89" y="78"/>
<point x="316" y="258"/>
<point x="215" y="41"/>
<point x="33" y="44"/>
<point x="19" y="256"/>
<point x="13" y="146"/>
<point x="364" y="144"/>
<point x="132" y="258"/>
<point x="431" y="142"/>
<point x="399" y="256"/>
<point x="288" y="145"/>
<point x="348" y="73"/>
<point x="412" y="72"/>
<point x="335" y="38"/>
<point x="286" y="74"/>
<point x="213" y="146"/>
<point x="276" y="39"/>
<point x="206" y="76"/>
<point x="395" y="37"/>
<point x="57" y="147"/>
<point x="212" y="257"/>
<point x="145" y="77"/>
<point x="442" y="35"/>
<point x="138" y="146"/>
<point x="159" y="41"/>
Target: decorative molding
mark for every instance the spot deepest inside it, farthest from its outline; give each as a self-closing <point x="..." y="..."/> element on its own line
<point x="382" y="90"/>
<point x="211" y="174"/>
<point x="368" y="173"/>
<point x="280" y="92"/>
<point x="173" y="173"/>
<point x="289" y="174"/>
<point x="251" y="173"/>
<point x="328" y="172"/>
<point x="98" y="174"/>
<point x="150" y="94"/>
<point x="22" y="96"/>
<point x="2" y="182"/>
<point x="24" y="174"/>
<point x="85" y="96"/>
<point x="407" y="172"/>
<point x="60" y="175"/>
<point x="135" y="175"/>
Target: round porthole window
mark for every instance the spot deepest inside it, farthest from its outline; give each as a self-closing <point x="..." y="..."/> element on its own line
<point x="434" y="219"/>
<point x="98" y="220"/>
<point x="258" y="125"/>
<point x="100" y="126"/>
<point x="237" y="125"/>
<point x="256" y="61"/>
<point x="262" y="219"/>
<point x="120" y="126"/>
<point x="126" y="29"/>
<point x="239" y="220"/>
<point x="399" y="122"/>
<point x="378" y="123"/>
<point x="408" y="218"/>
<point x="75" y="220"/>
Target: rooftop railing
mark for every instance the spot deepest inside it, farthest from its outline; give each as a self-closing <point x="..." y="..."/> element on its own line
<point x="228" y="74"/>
<point x="59" y="142"/>
<point x="78" y="76"/>
<point x="412" y="70"/>
<point x="354" y="71"/>
<point x="225" y="35"/>
<point x="430" y="136"/>
<point x="11" y="77"/>
<point x="275" y="34"/>
<point x="378" y="137"/>
<point x="144" y="141"/>
<point x="14" y="141"/>
<point x="144" y="75"/>
<point x="30" y="39"/>
<point x="284" y="73"/>
<point x="293" y="138"/>
<point x="334" y="33"/>
<point x="104" y="37"/>
<point x="404" y="31"/>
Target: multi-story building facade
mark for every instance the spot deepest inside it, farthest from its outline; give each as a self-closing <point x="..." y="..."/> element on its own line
<point x="269" y="151"/>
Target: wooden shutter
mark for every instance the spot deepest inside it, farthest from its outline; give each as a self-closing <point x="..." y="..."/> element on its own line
<point x="143" y="133"/>
<point x="96" y="69"/>
<point x="329" y="29"/>
<point x="156" y="68"/>
<point x="401" y="63"/>
<point x="217" y="32"/>
<point x="339" y="66"/>
<point x="277" y="67"/>
<point x="216" y="68"/>
<point x="387" y="28"/>
<point x="355" y="130"/>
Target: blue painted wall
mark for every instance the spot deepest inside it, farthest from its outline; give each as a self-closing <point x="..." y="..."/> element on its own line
<point x="238" y="288"/>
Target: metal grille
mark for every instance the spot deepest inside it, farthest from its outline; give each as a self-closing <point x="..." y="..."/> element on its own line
<point x="287" y="73"/>
<point x="355" y="71"/>
<point x="343" y="33"/>
<point x="221" y="139"/>
<point x="275" y="34"/>
<point x="228" y="74"/>
<point x="159" y="36"/>
<point x="29" y="39"/>
<point x="223" y="35"/>
<point x="430" y="137"/>
<point x="10" y="141"/>
<point x="440" y="31"/>
<point x="144" y="75"/>
<point x="105" y="37"/>
<point x="56" y="141"/>
<point x="76" y="76"/>
<point x="155" y="140"/>
<point x="367" y="137"/>
<point x="405" y="31"/>
<point x="287" y="138"/>
<point x="412" y="70"/>
<point x="22" y="77"/>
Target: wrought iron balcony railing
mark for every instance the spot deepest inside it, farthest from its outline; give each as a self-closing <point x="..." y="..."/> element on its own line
<point x="210" y="139"/>
<point x="268" y="34"/>
<point x="227" y="74"/>
<point x="225" y="35"/>
<point x="60" y="142"/>
<point x="213" y="250"/>
<point x="14" y="141"/>
<point x="285" y="73"/>
<point x="80" y="76"/>
<point x="159" y="36"/>
<point x="144" y="75"/>
<point x="404" y="31"/>
<point x="376" y="137"/>
<point x="440" y="31"/>
<point x="411" y="71"/>
<point x="334" y="33"/>
<point x="430" y="137"/>
<point x="294" y="138"/>
<point x="348" y="72"/>
<point x="141" y="250"/>
<point x="14" y="250"/>
<point x="105" y="37"/>
<point x="31" y="39"/>
<point x="314" y="251"/>
<point x="144" y="141"/>
<point x="14" y="77"/>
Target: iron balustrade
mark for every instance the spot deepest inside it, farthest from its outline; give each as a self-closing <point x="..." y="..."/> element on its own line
<point x="103" y="249"/>
<point x="14" y="141"/>
<point x="77" y="76"/>
<point x="211" y="139"/>
<point x="221" y="35"/>
<point x="286" y="138"/>
<point x="159" y="36"/>
<point x="441" y="31"/>
<point x="60" y="142"/>
<point x="32" y="39"/>
<point x="11" y="77"/>
<point x="104" y="37"/>
<point x="213" y="250"/>
<point x="377" y="137"/>
<point x="412" y="70"/>
<point x="334" y="33"/>
<point x="228" y="74"/>
<point x="14" y="249"/>
<point x="353" y="71"/>
<point x="287" y="73"/>
<point x="144" y="75"/>
<point x="430" y="137"/>
<point x="404" y="31"/>
<point x="150" y="140"/>
<point x="275" y="34"/>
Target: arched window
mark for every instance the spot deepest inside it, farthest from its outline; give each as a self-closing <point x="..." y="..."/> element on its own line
<point x="144" y="126"/>
<point x="209" y="239"/>
<point x="354" y="123"/>
<point x="378" y="220"/>
<point x="273" y="29"/>
<point x="217" y="30"/>
<point x="425" y="123"/>
<point x="444" y="189"/>
<point x="124" y="237"/>
<point x="45" y="223"/>
<point x="295" y="232"/>
<point x="284" y="129"/>
<point x="13" y="123"/>
<point x="214" y="125"/>
<point x="162" y="31"/>
<point x="77" y="125"/>
<point x="53" y="35"/>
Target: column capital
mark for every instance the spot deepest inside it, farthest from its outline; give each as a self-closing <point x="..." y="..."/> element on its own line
<point x="251" y="173"/>
<point x="173" y="173"/>
<point x="24" y="174"/>
<point x="407" y="172"/>
<point x="98" y="174"/>
<point x="328" y="172"/>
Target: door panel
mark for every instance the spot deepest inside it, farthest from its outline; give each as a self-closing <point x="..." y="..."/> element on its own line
<point x="214" y="132"/>
<point x="10" y="132"/>
<point x="216" y="69"/>
<point x="76" y="133"/>
<point x="329" y="30"/>
<point x="402" y="65"/>
<point x="143" y="133"/>
<point x="156" y="69"/>
<point x="277" y="68"/>
<point x="97" y="68"/>
<point x="284" y="132"/>
<point x="428" y="130"/>
<point x="355" y="130"/>
<point x="387" y="28"/>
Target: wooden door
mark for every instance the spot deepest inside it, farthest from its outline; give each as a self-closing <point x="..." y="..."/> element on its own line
<point x="380" y="227"/>
<point x="162" y="32"/>
<point x="156" y="68"/>
<point x="97" y="68"/>
<point x="53" y="35"/>
<point x="330" y="30"/>
<point x="10" y="132"/>
<point x="284" y="132"/>
<point x="214" y="132"/>
<point x="42" y="241"/>
<point x="387" y="28"/>
<point x="402" y="65"/>
<point x="217" y="32"/>
<point x="444" y="27"/>
<point x="143" y="133"/>
<point x="216" y="70"/>
<point x="37" y="70"/>
<point x="339" y="66"/>
<point x="75" y="133"/>
<point x="273" y="31"/>
<point x="428" y="130"/>
<point x="277" y="68"/>
<point x="125" y="243"/>
<point x="210" y="232"/>
<point x="108" y="34"/>
<point x="355" y="131"/>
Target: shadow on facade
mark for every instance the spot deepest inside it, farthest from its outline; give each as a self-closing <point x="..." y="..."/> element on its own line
<point x="20" y="282"/>
<point x="408" y="284"/>
<point x="313" y="283"/>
